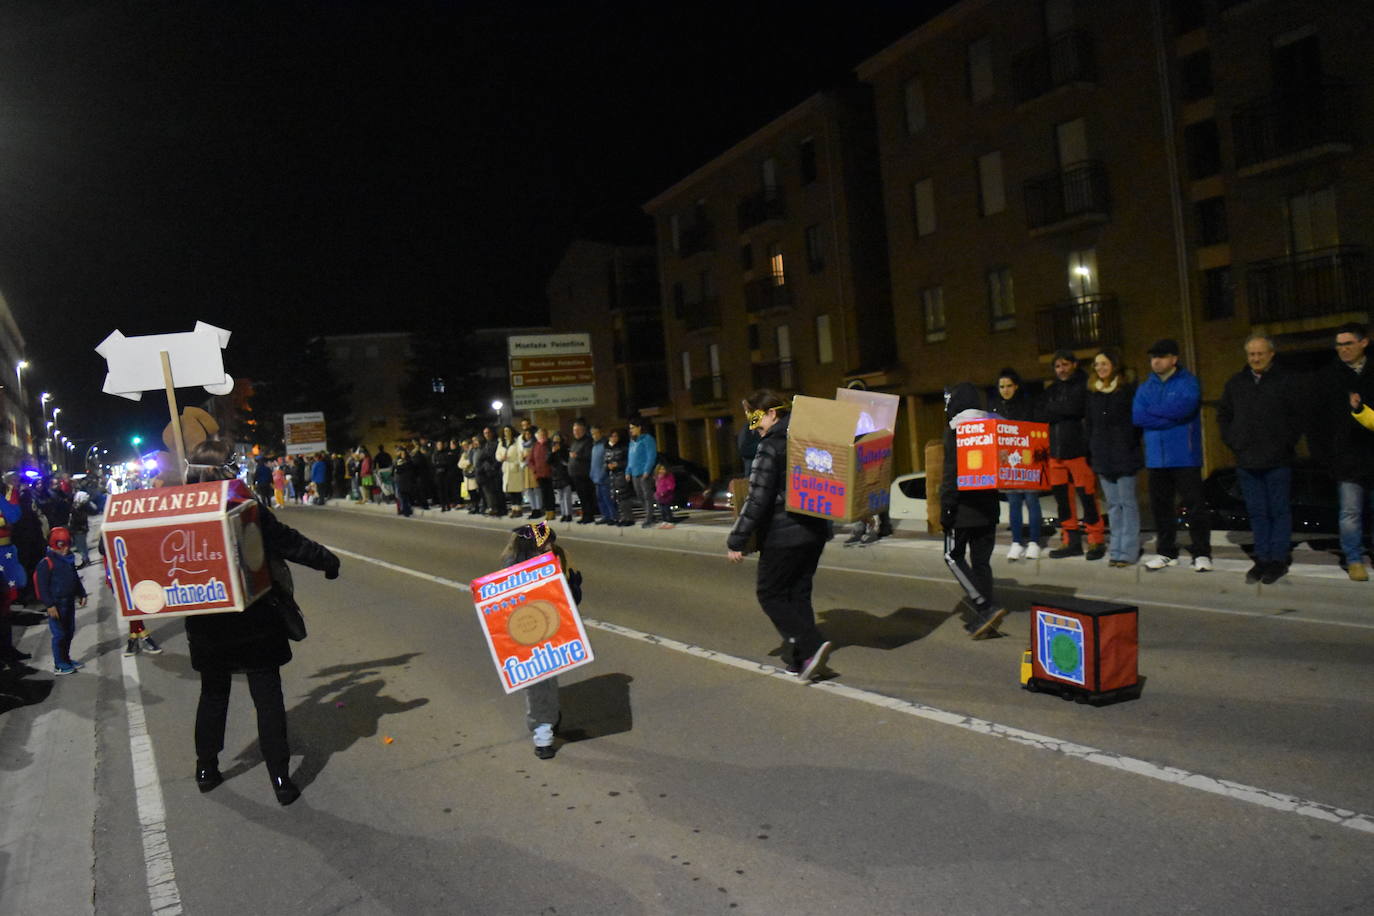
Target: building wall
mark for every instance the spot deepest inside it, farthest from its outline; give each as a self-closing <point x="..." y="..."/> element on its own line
<point x="17" y="401"/>
<point x="729" y="299"/>
<point x="376" y="365"/>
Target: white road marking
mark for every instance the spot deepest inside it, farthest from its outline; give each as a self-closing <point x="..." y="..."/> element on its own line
<point x="163" y="894"/>
<point x="944" y="580"/>
<point x="1237" y="791"/>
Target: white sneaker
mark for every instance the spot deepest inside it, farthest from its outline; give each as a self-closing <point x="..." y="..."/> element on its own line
<point x="1202" y="564"/>
<point x="1159" y="561"/>
<point x="1033" y="551"/>
<point x="1015" y="552"/>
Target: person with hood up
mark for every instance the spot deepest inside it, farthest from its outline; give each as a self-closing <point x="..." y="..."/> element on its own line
<point x="969" y="519"/>
<point x="58" y="587"/>
<point x="789" y="544"/>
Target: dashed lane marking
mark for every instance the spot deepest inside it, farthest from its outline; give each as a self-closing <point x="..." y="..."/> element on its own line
<point x="1264" y="798"/>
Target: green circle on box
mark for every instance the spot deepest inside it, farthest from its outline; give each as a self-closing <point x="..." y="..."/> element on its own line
<point x="1064" y="652"/>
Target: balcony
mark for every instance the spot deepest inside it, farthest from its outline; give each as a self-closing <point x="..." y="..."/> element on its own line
<point x="1078" y="324"/>
<point x="1293" y="126"/>
<point x="709" y="389"/>
<point x="760" y="207"/>
<point x="1068" y="199"/>
<point x="779" y="376"/>
<point x="767" y="294"/>
<point x="1313" y="284"/>
<point x="702" y="314"/>
<point x="695" y="239"/>
<point x="1065" y="60"/>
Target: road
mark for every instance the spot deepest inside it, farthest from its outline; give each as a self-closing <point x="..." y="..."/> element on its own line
<point x="695" y="779"/>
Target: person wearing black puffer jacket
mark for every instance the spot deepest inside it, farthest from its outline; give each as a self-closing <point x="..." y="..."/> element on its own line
<point x="969" y="519"/>
<point x="790" y="545"/>
<point x="1114" y="442"/>
<point x="1062" y="406"/>
<point x="253" y="642"/>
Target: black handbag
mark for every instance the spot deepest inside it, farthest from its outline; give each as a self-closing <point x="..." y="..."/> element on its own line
<point x="283" y="598"/>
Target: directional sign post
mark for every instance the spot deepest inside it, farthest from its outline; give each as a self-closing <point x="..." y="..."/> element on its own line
<point x="551" y="370"/>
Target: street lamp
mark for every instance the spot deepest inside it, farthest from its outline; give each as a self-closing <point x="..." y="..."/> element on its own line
<point x="19" y="368"/>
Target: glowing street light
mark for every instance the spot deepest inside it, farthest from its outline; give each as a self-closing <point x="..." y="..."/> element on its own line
<point x="19" y="368"/>
<point x="497" y="405"/>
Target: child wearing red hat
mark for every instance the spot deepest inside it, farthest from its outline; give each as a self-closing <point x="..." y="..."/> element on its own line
<point x="58" y="585"/>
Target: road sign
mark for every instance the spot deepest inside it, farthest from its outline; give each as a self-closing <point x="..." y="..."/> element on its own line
<point x="303" y="433"/>
<point x="551" y="370"/>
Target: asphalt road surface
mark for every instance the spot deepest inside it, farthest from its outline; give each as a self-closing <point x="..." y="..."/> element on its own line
<point x="692" y="777"/>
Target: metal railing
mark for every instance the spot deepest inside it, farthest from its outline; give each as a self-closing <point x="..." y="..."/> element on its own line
<point x="1291" y="121"/>
<point x="759" y="207"/>
<point x="766" y="293"/>
<point x="1077" y="190"/>
<point x="1328" y="281"/>
<point x="1077" y="324"/>
<point x="1064" y="59"/>
<point x="780" y="375"/>
<point x="709" y="389"/>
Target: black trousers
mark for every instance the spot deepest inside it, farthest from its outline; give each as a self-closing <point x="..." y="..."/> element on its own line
<point x="970" y="550"/>
<point x="586" y="494"/>
<point x="784" y="593"/>
<point x="1183" y="485"/>
<point x="265" y="686"/>
<point x="496" y="498"/>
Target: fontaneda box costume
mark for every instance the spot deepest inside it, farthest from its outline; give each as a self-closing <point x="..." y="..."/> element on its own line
<point x="177" y="551"/>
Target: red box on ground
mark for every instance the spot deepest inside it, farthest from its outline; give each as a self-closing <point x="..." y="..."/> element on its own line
<point x="178" y="551"/>
<point x="1089" y="647"/>
<point x="997" y="454"/>
<point x="531" y="622"/>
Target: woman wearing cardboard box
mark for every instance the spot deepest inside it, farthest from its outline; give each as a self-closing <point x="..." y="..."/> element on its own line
<point x="253" y="642"/>
<point x="790" y="545"/>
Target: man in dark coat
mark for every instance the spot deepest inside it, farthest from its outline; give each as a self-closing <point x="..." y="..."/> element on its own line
<point x="580" y="470"/>
<point x="445" y="469"/>
<point x="1349" y="446"/>
<point x="1063" y="405"/>
<point x="1261" y="416"/>
<point x="969" y="519"/>
<point x="489" y="473"/>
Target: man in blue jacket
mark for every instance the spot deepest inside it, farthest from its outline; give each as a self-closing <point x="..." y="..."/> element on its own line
<point x="640" y="468"/>
<point x="1167" y="407"/>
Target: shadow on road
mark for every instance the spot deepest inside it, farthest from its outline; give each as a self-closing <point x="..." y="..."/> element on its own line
<point x="848" y="627"/>
<point x="335" y="715"/>
<point x="596" y="707"/>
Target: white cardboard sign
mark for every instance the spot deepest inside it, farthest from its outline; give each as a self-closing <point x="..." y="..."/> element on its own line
<point x="134" y="364"/>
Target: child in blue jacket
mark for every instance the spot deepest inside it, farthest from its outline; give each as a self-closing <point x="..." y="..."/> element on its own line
<point x="58" y="585"/>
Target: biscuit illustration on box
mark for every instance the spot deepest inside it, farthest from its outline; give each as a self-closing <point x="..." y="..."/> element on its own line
<point x="526" y="625"/>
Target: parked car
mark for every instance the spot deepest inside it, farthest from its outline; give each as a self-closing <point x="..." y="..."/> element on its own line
<point x="907" y="500"/>
<point x="1315" y="503"/>
<point x="715" y="496"/>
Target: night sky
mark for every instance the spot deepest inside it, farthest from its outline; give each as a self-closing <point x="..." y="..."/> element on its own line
<point x="293" y="169"/>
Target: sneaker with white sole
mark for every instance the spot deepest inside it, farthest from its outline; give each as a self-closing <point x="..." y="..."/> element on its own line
<point x="1159" y="561"/>
<point x="815" y="662"/>
<point x="1015" y="552"/>
<point x="543" y="741"/>
<point x="149" y="646"/>
<point x="1033" y="551"/>
<point x="1202" y="564"/>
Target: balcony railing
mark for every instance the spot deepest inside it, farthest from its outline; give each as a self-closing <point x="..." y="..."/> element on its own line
<point x="702" y="314"/>
<point x="779" y="376"/>
<point x="1065" y="59"/>
<point x="695" y="239"/>
<point x="766" y="293"/>
<point x="760" y="207"/>
<point x="1066" y="198"/>
<point x="709" y="389"/>
<point x="1078" y="324"/>
<point x="1293" y="124"/>
<point x="1329" y="281"/>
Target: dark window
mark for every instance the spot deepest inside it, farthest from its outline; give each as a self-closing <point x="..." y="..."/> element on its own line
<point x="1204" y="149"/>
<point x="808" y="160"/>
<point x="1297" y="64"/>
<point x="746" y="256"/>
<point x="754" y="337"/>
<point x="1189" y="15"/>
<point x="1211" y="221"/>
<point x="1218" y="293"/>
<point x="1195" y="76"/>
<point x="815" y="254"/>
<point x="679" y="300"/>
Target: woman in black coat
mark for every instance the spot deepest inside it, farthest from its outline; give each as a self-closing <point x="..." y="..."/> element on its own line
<point x="790" y="545"/>
<point x="403" y="476"/>
<point x="253" y="642"/>
<point x="1114" y="445"/>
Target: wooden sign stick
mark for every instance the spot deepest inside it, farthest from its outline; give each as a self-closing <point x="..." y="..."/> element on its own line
<point x="176" y="418"/>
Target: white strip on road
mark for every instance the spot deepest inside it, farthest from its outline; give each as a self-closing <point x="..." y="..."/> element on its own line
<point x="1276" y="801"/>
<point x="163" y="894"/>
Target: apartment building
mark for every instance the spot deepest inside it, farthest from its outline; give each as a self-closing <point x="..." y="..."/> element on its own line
<point x="1073" y="174"/>
<point x="611" y="292"/>
<point x="773" y="271"/>
<point x="17" y="402"/>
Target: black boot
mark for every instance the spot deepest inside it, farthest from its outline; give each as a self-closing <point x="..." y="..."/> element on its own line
<point x="207" y="775"/>
<point x="1073" y="546"/>
<point x="1096" y="552"/>
<point x="285" y="790"/>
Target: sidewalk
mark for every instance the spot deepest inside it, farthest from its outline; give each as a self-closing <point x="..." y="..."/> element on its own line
<point x="706" y="530"/>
